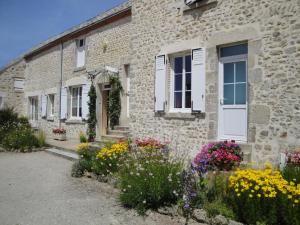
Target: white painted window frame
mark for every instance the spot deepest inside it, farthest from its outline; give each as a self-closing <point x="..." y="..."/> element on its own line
<point x="33" y="108"/>
<point x="79" y="95"/>
<point x="51" y="104"/>
<point x="172" y="109"/>
<point x="83" y="48"/>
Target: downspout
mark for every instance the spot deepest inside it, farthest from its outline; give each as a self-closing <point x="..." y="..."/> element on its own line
<point x="60" y="83"/>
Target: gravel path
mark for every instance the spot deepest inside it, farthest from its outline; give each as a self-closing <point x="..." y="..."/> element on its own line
<point x="37" y="189"/>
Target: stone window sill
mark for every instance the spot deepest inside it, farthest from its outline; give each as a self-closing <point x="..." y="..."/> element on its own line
<point x="78" y="69"/>
<point x="73" y="121"/>
<point x="181" y="116"/>
<point x="50" y="119"/>
<point x="200" y="4"/>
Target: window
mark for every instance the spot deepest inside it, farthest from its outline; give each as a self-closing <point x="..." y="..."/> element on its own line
<point x="19" y="84"/>
<point x="51" y="105"/>
<point x="234" y="60"/>
<point x="80" y="61"/>
<point x="33" y="108"/>
<point x="182" y="83"/>
<point x="1" y="102"/>
<point x="76" y="102"/>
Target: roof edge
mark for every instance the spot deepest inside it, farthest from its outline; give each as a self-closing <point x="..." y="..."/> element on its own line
<point x="73" y="33"/>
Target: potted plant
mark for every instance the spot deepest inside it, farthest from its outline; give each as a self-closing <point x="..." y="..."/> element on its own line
<point x="59" y="134"/>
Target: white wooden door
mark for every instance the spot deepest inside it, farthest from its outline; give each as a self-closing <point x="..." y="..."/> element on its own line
<point x="233" y="99"/>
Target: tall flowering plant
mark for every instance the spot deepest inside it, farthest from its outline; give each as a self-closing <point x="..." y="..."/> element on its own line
<point x="220" y="155"/>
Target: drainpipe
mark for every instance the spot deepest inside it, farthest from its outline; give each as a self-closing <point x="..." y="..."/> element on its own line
<point x="60" y="83"/>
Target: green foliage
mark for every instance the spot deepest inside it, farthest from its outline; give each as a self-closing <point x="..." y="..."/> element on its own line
<point x="21" y="139"/>
<point x="114" y="102"/>
<point x="92" y="119"/>
<point x="82" y="138"/>
<point x="218" y="207"/>
<point x="110" y="158"/>
<point x="9" y="121"/>
<point x="150" y="182"/>
<point x="213" y="194"/>
<point x="291" y="172"/>
<point x="15" y="132"/>
<point x="77" y="169"/>
<point x="41" y="136"/>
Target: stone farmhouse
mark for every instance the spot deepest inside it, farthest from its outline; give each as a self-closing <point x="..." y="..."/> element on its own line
<point x="193" y="72"/>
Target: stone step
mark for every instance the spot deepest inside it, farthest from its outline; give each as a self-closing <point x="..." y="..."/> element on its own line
<point x="119" y="132"/>
<point x="112" y="138"/>
<point x="73" y="156"/>
<point x="124" y="128"/>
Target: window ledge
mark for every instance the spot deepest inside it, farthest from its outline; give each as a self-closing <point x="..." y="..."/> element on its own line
<point x="182" y="116"/>
<point x="78" y="69"/>
<point x="74" y="121"/>
<point x="200" y="4"/>
<point x="50" y="119"/>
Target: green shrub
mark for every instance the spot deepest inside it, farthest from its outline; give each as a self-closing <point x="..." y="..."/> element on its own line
<point x="82" y="138"/>
<point x="264" y="196"/>
<point x="213" y="194"/>
<point x="218" y="207"/>
<point x="291" y="172"/>
<point x="109" y="159"/>
<point x="150" y="182"/>
<point x="20" y="139"/>
<point x="10" y="121"/>
<point x="77" y="169"/>
<point x="41" y="136"/>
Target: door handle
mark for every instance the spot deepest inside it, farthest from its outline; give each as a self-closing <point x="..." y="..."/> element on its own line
<point x="221" y="101"/>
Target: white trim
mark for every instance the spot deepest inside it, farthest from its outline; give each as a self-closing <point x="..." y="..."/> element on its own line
<point x="233" y="59"/>
<point x="51" y="105"/>
<point x="77" y="117"/>
<point x="172" y="109"/>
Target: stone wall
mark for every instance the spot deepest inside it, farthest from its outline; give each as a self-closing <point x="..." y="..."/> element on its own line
<point x="11" y="97"/>
<point x="271" y="29"/>
<point x="43" y="72"/>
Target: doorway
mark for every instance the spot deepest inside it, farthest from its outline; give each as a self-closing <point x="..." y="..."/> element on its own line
<point x="105" y="113"/>
<point x="233" y="93"/>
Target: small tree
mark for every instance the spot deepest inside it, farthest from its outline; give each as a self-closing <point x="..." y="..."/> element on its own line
<point x="114" y="106"/>
<point x="92" y="114"/>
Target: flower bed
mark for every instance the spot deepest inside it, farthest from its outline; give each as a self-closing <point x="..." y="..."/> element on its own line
<point x="149" y="178"/>
<point x="59" y="134"/>
<point x="221" y="156"/>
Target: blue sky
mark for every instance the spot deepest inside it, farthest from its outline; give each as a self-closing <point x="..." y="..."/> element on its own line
<point x="26" y="23"/>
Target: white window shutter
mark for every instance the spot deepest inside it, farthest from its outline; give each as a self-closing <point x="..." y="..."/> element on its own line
<point x="80" y="56"/>
<point x="198" y="80"/>
<point x="64" y="103"/>
<point x="19" y="84"/>
<point x="44" y="106"/>
<point x="85" y="100"/>
<point x="160" y="83"/>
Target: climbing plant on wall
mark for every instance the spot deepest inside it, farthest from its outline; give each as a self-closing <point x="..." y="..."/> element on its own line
<point x="114" y="101"/>
<point x="92" y="120"/>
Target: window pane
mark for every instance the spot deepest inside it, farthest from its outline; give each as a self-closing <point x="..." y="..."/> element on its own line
<point x="178" y="99"/>
<point x="188" y="64"/>
<point x="178" y="65"/>
<point x="188" y="82"/>
<point x="228" y="73"/>
<point x="178" y="82"/>
<point x="234" y="50"/>
<point x="240" y="71"/>
<point x="188" y="99"/>
<point x="74" y="101"/>
<point x="229" y="94"/>
<point x="240" y="94"/>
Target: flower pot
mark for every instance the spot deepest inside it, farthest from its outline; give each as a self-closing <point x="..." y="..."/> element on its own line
<point x="60" y="137"/>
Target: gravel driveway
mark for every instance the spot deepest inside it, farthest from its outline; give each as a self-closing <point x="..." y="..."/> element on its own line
<point x="37" y="189"/>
